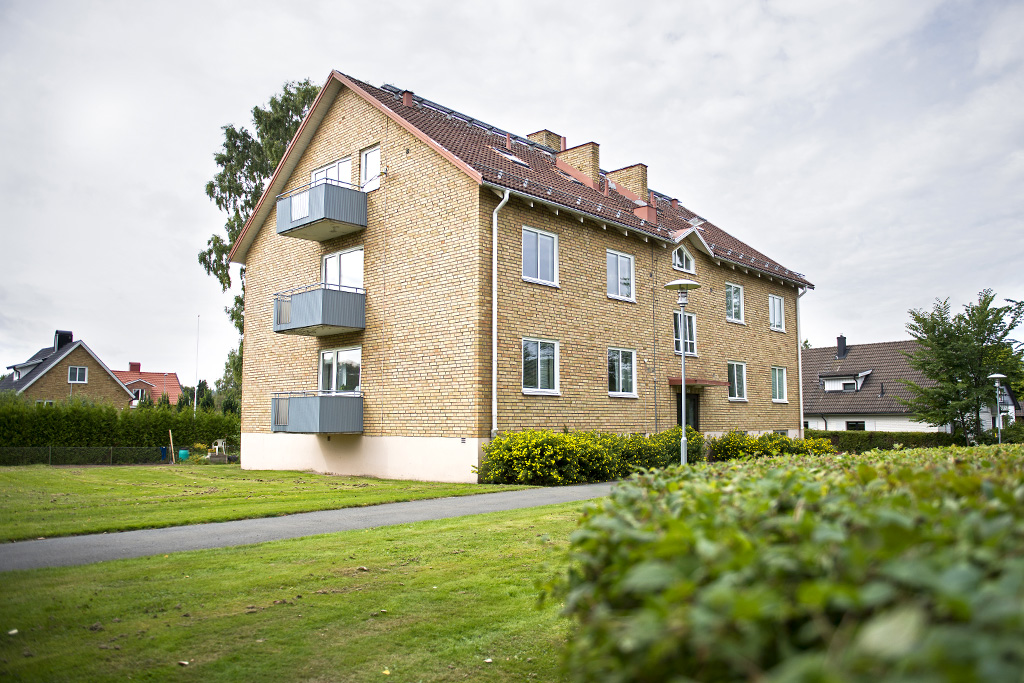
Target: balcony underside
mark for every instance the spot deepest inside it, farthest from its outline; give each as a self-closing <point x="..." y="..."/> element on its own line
<point x="321" y="212"/>
<point x="320" y="311"/>
<point x="316" y="413"/>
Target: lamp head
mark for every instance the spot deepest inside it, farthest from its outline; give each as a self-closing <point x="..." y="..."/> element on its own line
<point x="683" y="287"/>
<point x="997" y="376"/>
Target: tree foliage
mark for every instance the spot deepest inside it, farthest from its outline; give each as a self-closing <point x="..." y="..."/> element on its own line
<point x="958" y="353"/>
<point x="245" y="162"/>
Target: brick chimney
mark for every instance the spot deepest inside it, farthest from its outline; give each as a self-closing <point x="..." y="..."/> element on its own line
<point x="407" y="98"/>
<point x="546" y="137"/>
<point x="633" y="179"/>
<point x="134" y="367"/>
<point x="585" y="158"/>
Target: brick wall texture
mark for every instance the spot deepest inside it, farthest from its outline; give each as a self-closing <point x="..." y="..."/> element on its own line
<point x="633" y="178"/>
<point x="101" y="387"/>
<point x="426" y="366"/>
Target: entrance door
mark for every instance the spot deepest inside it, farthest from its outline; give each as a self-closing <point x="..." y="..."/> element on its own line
<point x="692" y="410"/>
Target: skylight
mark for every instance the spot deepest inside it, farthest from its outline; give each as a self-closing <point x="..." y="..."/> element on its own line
<point x="510" y="156"/>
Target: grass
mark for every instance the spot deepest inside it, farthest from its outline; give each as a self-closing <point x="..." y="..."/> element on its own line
<point x="40" y="501"/>
<point x="430" y="601"/>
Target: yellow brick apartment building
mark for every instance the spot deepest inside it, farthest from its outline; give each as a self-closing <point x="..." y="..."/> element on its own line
<point x="418" y="280"/>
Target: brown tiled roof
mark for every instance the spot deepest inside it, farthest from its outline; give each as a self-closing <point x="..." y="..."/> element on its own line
<point x="881" y="390"/>
<point x="471" y="145"/>
<point x="474" y="142"/>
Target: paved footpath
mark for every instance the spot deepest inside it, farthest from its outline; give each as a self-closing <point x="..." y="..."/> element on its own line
<point x="73" y="550"/>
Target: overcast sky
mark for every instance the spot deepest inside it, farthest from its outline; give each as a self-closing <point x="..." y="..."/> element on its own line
<point x="877" y="147"/>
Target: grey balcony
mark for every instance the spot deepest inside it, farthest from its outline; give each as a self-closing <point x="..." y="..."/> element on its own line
<point x="319" y="310"/>
<point x="316" y="412"/>
<point x="321" y="211"/>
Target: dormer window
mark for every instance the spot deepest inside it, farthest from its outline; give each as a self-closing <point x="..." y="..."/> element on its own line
<point x="17" y="375"/>
<point x="682" y="260"/>
<point x="849" y="386"/>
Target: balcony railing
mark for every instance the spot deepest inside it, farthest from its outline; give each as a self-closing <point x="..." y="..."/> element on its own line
<point x="320" y="309"/>
<point x="321" y="210"/>
<point x="317" y="412"/>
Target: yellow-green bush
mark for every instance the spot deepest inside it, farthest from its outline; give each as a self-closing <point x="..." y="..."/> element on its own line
<point x="545" y="458"/>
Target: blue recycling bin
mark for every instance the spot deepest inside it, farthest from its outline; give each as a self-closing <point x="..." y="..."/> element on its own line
<point x="163" y="452"/>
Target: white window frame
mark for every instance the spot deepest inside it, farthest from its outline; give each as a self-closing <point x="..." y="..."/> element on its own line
<point x="619" y="256"/>
<point x="618" y="380"/>
<point x="44" y="402"/>
<point x="680" y="264"/>
<point x="536" y="391"/>
<point x="777" y="312"/>
<point x="554" y="257"/>
<point x="323" y="268"/>
<point x="337" y="179"/>
<point x="85" y="378"/>
<point x="692" y="351"/>
<point x="138" y="394"/>
<point x="334" y="370"/>
<point x="741" y="368"/>
<point x="369" y="183"/>
<point x="779" y="393"/>
<point x="730" y="306"/>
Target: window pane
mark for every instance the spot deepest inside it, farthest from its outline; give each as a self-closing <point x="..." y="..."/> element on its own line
<point x="625" y="277"/>
<point x="529" y="365"/>
<point x="741" y="382"/>
<point x="529" y="254"/>
<point x="613" y="274"/>
<point x="546" y="257"/>
<point x="728" y="301"/>
<point x="627" y="372"/>
<point x="547" y="366"/>
<point x="348" y="370"/>
<point x="371" y="169"/>
<point x="691" y="322"/>
<point x="345" y="172"/>
<point x="732" y="381"/>
<point x="675" y="330"/>
<point x="332" y="270"/>
<point x="326" y="370"/>
<point x="352" y="268"/>
<point x="613" y="370"/>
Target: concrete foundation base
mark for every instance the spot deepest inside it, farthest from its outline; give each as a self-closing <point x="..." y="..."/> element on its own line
<point x="448" y="459"/>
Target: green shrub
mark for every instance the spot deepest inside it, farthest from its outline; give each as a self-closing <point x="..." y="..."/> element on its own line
<point x="891" y="566"/>
<point x="858" y="442"/>
<point x="545" y="458"/>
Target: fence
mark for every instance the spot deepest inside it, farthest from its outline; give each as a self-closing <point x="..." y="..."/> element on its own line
<point x="81" y="455"/>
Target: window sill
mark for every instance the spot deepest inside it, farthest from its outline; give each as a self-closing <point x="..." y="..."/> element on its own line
<point x="684" y="270"/>
<point x="738" y="400"/>
<point x="689" y="354"/>
<point x="541" y="392"/>
<point x="777" y="329"/>
<point x="622" y="298"/>
<point x="780" y="400"/>
<point x="618" y="394"/>
<point x="69" y="382"/>
<point x="541" y="282"/>
<point x="735" y="322"/>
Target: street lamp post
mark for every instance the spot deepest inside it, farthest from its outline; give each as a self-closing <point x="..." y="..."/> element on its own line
<point x="682" y="287"/>
<point x="999" y="411"/>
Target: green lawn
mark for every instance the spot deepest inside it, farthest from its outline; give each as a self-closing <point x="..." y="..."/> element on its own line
<point x="431" y="601"/>
<point x="42" y="501"/>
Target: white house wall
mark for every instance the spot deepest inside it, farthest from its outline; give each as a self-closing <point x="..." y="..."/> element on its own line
<point x="872" y="423"/>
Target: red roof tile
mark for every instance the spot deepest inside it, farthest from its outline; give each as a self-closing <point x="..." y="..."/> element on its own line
<point x="160" y="382"/>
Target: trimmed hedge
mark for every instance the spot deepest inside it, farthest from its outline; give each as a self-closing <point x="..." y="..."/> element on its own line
<point x="889" y="566"/>
<point x="546" y="458"/>
<point x="740" y="446"/>
<point x="859" y="442"/>
<point x="82" y="423"/>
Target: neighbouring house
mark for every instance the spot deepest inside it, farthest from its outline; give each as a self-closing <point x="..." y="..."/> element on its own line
<point x="418" y="280"/>
<point x="67" y="369"/>
<point x="149" y="384"/>
<point x="860" y="387"/>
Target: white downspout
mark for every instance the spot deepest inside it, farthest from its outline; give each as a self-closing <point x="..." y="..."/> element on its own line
<point x="800" y="362"/>
<point x="494" y="315"/>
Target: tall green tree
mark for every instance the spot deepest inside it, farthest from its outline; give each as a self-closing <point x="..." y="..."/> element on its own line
<point x="958" y="353"/>
<point x="246" y="161"/>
